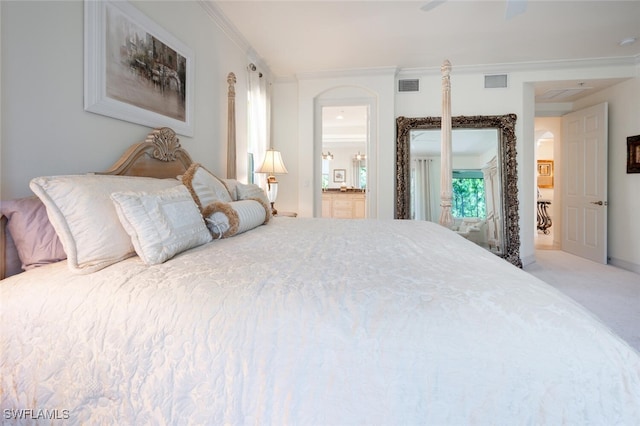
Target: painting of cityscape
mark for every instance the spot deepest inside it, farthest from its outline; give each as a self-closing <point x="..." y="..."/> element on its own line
<point x="141" y="70"/>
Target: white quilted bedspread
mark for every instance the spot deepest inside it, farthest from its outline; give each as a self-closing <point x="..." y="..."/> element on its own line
<point x="312" y="322"/>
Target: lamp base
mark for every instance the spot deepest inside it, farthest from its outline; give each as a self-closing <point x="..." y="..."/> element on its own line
<point x="274" y="212"/>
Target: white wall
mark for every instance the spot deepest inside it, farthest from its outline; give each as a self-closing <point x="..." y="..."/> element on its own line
<point x="468" y="97"/>
<point x="285" y="139"/>
<point x="623" y="189"/>
<point x="45" y="128"/>
<point x="375" y="88"/>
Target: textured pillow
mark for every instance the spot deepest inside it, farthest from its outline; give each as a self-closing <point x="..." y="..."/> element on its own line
<point x="85" y="219"/>
<point x="35" y="239"/>
<point x="161" y="223"/>
<point x="228" y="219"/>
<point x="232" y="185"/>
<point x="12" y="263"/>
<point x="204" y="186"/>
<point x="251" y="191"/>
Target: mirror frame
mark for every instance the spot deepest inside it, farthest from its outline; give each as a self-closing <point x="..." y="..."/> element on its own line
<point x="508" y="169"/>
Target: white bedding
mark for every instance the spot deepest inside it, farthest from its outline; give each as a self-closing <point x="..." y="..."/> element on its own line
<point x="312" y="321"/>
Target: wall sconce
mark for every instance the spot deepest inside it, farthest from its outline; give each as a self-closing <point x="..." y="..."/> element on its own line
<point x="359" y="157"/>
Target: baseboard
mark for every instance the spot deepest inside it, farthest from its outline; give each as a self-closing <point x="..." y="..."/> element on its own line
<point x="528" y="260"/>
<point x="623" y="264"/>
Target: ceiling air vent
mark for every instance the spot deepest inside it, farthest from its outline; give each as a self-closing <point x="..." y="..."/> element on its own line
<point x="495" y="81"/>
<point x="409" y="85"/>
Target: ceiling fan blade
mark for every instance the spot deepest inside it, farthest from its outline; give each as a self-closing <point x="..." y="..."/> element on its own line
<point x="431" y="4"/>
<point x="515" y="8"/>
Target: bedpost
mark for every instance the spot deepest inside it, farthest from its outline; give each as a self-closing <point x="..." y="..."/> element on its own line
<point x="231" y="128"/>
<point x="446" y="162"/>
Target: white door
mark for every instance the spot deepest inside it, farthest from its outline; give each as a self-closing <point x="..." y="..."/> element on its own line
<point x="584" y="188"/>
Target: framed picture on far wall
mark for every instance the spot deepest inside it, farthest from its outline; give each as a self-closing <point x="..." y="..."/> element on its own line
<point x="135" y="70"/>
<point x="339" y="175"/>
<point x="545" y="173"/>
<point x="633" y="154"/>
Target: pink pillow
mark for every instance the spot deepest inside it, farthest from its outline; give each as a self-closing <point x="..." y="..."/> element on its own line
<point x="35" y="239"/>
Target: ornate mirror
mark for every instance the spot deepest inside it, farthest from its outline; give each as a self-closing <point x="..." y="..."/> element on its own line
<point x="498" y="220"/>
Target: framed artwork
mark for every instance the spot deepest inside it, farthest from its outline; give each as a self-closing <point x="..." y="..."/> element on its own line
<point x="134" y="70"/>
<point x="633" y="154"/>
<point x="339" y="175"/>
<point x="545" y="173"/>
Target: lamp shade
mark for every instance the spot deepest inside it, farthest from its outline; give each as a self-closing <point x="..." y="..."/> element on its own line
<point x="273" y="164"/>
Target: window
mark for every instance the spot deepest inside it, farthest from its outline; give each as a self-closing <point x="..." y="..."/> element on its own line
<point x="362" y="182"/>
<point x="468" y="194"/>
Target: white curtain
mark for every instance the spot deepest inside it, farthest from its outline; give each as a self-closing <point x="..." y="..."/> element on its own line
<point x="421" y="189"/>
<point x="258" y="100"/>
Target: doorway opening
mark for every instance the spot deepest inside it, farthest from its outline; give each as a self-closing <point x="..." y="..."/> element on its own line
<point x="345" y="173"/>
<point x="547" y="198"/>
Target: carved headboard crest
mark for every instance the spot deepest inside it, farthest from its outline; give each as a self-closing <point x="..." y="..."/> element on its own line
<point x="159" y="156"/>
<point x="165" y="142"/>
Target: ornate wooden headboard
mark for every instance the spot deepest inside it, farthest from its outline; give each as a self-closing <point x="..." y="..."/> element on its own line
<point x="159" y="156"/>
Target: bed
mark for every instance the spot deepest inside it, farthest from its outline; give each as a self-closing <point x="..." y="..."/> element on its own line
<point x="289" y="320"/>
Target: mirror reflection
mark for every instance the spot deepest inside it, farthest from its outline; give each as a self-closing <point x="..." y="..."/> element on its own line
<point x="485" y="202"/>
<point x="476" y="203"/>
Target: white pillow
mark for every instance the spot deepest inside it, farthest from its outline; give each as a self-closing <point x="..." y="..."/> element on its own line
<point x="161" y="223"/>
<point x="204" y="186"/>
<point x="251" y="191"/>
<point x="228" y="219"/>
<point x="232" y="185"/>
<point x="84" y="217"/>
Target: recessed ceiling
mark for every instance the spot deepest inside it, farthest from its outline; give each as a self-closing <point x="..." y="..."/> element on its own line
<point x="345" y="126"/>
<point x="571" y="90"/>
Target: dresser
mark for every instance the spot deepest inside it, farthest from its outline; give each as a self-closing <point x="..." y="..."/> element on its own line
<point x="344" y="205"/>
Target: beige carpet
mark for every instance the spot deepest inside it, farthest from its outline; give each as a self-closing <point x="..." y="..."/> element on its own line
<point x="611" y="293"/>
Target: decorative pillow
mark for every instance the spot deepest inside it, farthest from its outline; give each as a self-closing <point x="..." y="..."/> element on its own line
<point x="232" y="186"/>
<point x="35" y="239"/>
<point x="84" y="217"/>
<point x="204" y="186"/>
<point x="161" y="223"/>
<point x="251" y="191"/>
<point x="228" y="219"/>
<point x="12" y="262"/>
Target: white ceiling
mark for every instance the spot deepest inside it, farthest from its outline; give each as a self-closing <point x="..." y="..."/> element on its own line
<point x="464" y="142"/>
<point x="306" y="36"/>
<point x="295" y="37"/>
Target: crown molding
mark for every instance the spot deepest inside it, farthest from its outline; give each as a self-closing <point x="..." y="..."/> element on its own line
<point x="230" y="30"/>
<point x="351" y="72"/>
<point x="526" y="66"/>
<point x="216" y="14"/>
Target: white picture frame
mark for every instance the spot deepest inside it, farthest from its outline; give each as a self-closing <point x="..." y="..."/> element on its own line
<point x="134" y="70"/>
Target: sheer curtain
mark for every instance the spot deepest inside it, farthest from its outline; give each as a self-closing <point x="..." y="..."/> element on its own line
<point x="258" y="100"/>
<point x="421" y="190"/>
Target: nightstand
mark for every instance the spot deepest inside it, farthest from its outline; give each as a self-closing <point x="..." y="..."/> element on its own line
<point x="286" y="214"/>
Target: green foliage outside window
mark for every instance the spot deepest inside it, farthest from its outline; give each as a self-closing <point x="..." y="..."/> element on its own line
<point x="468" y="196"/>
<point x="325" y="180"/>
<point x="363" y="177"/>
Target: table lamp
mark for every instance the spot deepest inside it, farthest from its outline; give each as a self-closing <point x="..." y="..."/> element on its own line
<point x="272" y="165"/>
